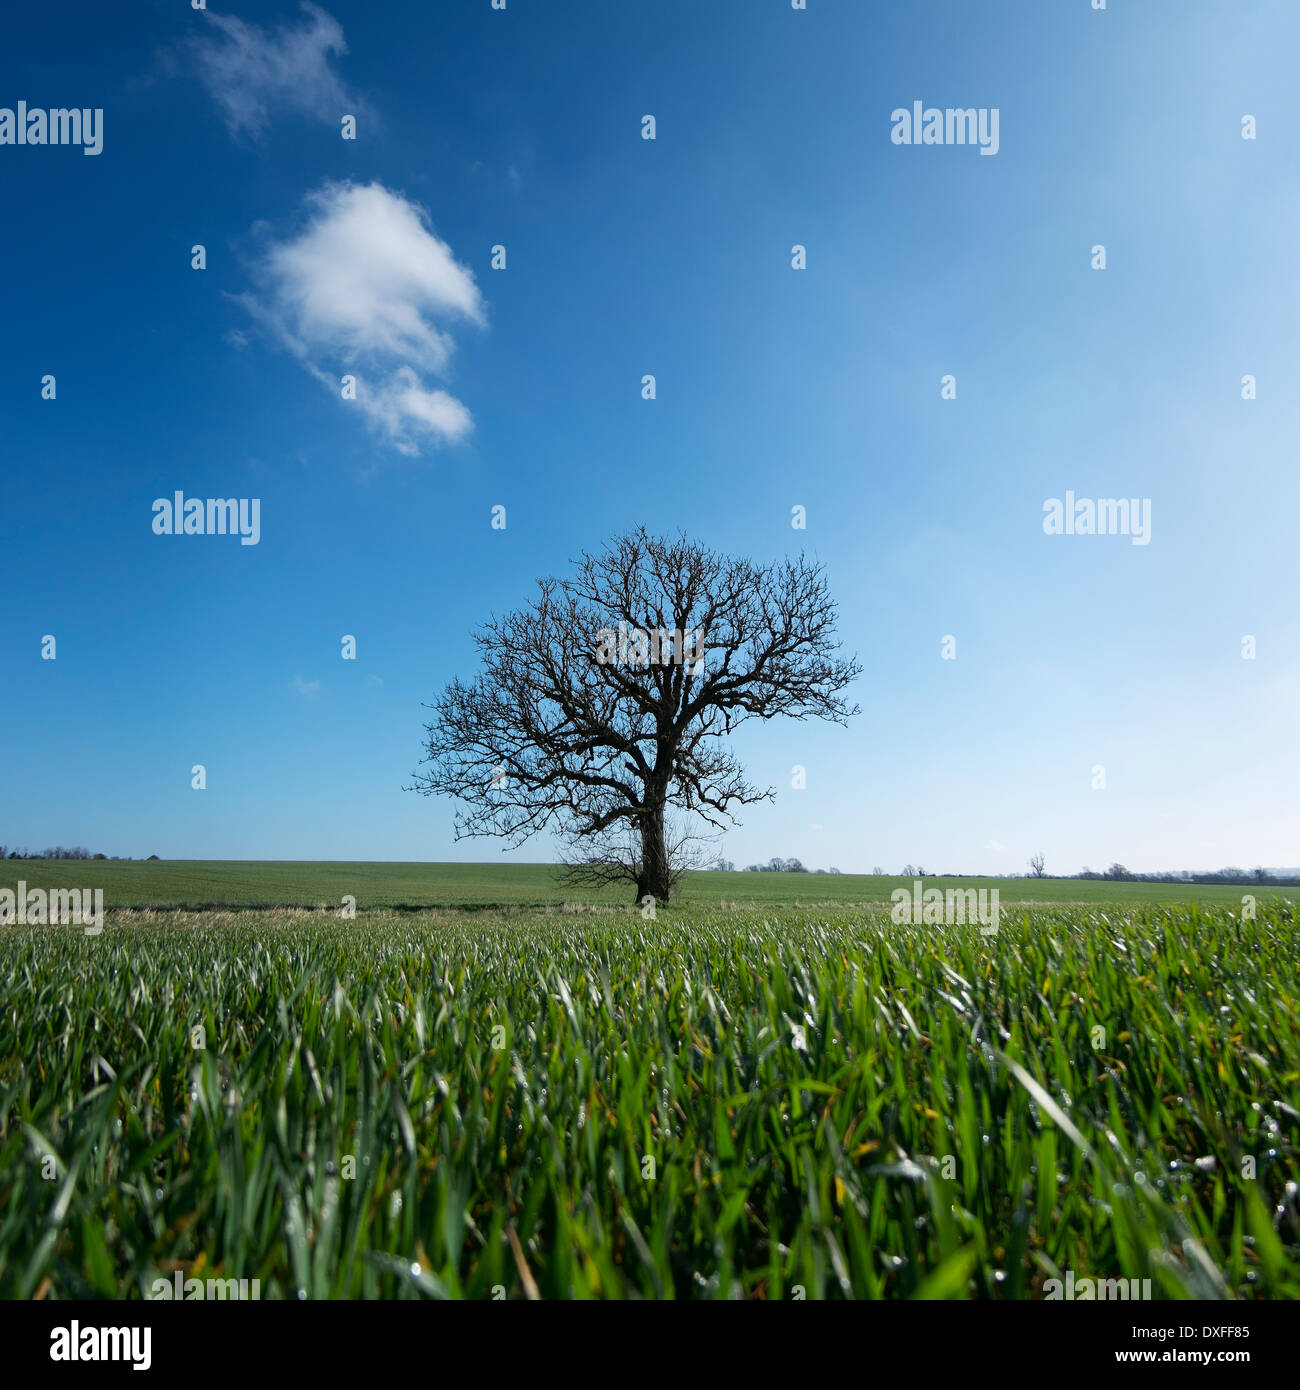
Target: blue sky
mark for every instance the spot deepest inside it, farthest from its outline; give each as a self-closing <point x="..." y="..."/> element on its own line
<point x="775" y="387"/>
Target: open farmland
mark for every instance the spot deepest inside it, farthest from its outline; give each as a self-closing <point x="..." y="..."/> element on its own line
<point x="722" y="1102"/>
<point x="197" y="883"/>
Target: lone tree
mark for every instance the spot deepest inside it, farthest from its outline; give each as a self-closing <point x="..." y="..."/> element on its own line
<point x="1038" y="865"/>
<point x="605" y="702"/>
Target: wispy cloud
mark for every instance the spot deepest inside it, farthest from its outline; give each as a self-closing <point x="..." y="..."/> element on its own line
<point x="252" y="71"/>
<point x="366" y="289"/>
<point x="307" y="688"/>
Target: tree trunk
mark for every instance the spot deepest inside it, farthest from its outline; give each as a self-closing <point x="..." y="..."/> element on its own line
<point x="654" y="878"/>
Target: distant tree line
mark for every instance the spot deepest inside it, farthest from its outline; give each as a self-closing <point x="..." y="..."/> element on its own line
<point x="1117" y="873"/>
<point x="775" y="865"/>
<point x="58" y="852"/>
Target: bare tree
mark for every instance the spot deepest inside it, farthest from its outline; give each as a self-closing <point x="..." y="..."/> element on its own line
<point x="615" y="855"/>
<point x="560" y="730"/>
<point x="1038" y="864"/>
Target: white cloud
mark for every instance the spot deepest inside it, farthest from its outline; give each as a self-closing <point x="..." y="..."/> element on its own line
<point x="249" y="70"/>
<point x="402" y="405"/>
<point x="308" y="688"/>
<point x="996" y="846"/>
<point x="367" y="289"/>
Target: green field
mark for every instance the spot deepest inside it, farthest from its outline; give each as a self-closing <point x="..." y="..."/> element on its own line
<point x="306" y="883"/>
<point x="719" y="1103"/>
